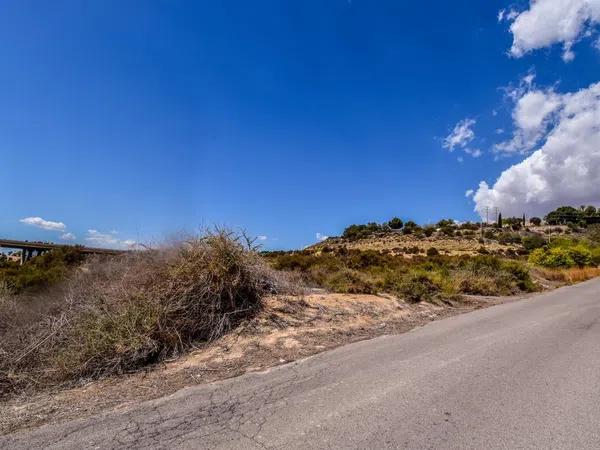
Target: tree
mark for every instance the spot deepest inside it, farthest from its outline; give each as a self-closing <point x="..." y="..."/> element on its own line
<point x="535" y="221"/>
<point x="445" y="223"/>
<point x="524" y="221"/>
<point x="499" y="224"/>
<point x="563" y="215"/>
<point x="410" y="227"/>
<point x="395" y="223"/>
<point x="354" y="232"/>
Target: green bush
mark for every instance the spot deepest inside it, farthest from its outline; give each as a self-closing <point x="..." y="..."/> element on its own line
<point x="533" y="242"/>
<point x="417" y="287"/>
<point x="581" y="255"/>
<point x="395" y="223"/>
<point x="489" y="234"/>
<point x="410" y="227"/>
<point x="469" y="226"/>
<point x="355" y="232"/>
<point x="554" y="257"/>
<point x="40" y="271"/>
<point x="448" y="230"/>
<point x="509" y="238"/>
<point x="369" y="272"/>
<point x="348" y="281"/>
<point x="535" y="221"/>
<point x="432" y="251"/>
<point x="596" y="256"/>
<point x="565" y="252"/>
<point x="490" y="275"/>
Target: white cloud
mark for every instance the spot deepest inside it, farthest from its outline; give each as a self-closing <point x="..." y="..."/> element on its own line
<point x="564" y="169"/>
<point x="262" y="238"/>
<point x="532" y="116"/>
<point x="95" y="237"/>
<point x="321" y="237"/>
<point x="461" y="135"/>
<point x="469" y="193"/>
<point x="38" y="222"/>
<point x="549" y="22"/>
<point x="474" y="152"/>
<point x="68" y="237"/>
<point x="501" y="15"/>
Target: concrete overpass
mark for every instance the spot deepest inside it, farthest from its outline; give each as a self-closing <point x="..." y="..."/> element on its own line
<point x="29" y="248"/>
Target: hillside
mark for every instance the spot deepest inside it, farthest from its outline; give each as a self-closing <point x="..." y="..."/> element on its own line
<point x="460" y="240"/>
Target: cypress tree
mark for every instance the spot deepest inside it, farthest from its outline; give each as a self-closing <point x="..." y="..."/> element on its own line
<point x="499" y="220"/>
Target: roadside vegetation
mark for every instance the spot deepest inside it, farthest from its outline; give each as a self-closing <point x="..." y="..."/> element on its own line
<point x="64" y="317"/>
<point x="418" y="279"/>
<point x="41" y="271"/>
<point x="119" y="314"/>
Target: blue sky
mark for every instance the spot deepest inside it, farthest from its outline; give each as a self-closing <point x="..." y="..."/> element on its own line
<point x="133" y="120"/>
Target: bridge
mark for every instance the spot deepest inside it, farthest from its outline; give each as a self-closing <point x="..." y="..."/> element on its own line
<point x="29" y="248"/>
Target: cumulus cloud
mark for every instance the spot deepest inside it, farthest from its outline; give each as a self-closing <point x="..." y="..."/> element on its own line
<point x="96" y="238"/>
<point x="68" y="237"/>
<point x="564" y="169"/>
<point x="549" y="22"/>
<point x="38" y="222"/>
<point x="461" y="135"/>
<point x="532" y="116"/>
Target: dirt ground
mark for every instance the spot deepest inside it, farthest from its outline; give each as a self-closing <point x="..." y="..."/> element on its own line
<point x="289" y="328"/>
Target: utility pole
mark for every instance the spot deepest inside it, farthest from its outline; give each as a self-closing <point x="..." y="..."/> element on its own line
<point x="487" y="219"/>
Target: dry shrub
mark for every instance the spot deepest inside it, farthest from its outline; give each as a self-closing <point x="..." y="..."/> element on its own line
<point x="350" y="281"/>
<point x="417" y="286"/>
<point x="572" y="275"/>
<point x="576" y="275"/>
<point x="557" y="275"/>
<point x="478" y="284"/>
<point x="126" y="312"/>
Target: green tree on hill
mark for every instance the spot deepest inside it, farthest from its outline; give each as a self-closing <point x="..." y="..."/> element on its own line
<point x="535" y="221"/>
<point x="395" y="223"/>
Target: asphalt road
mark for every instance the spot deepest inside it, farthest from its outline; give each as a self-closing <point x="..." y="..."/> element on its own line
<point x="518" y="375"/>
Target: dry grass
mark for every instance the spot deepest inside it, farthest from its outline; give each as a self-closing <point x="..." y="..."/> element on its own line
<point x="569" y="276"/>
<point x="410" y="246"/>
<point x="126" y="312"/>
